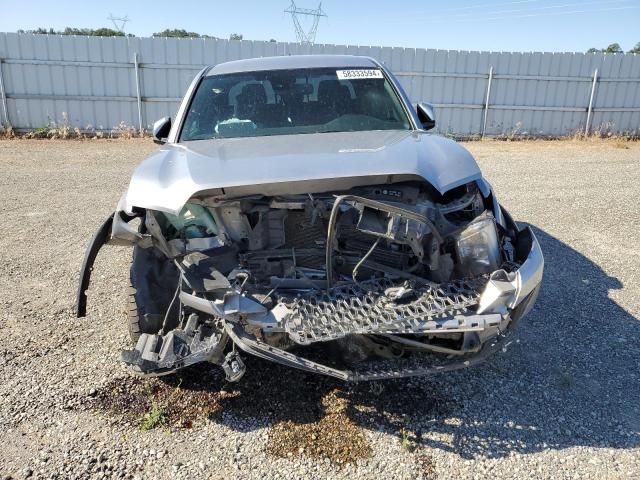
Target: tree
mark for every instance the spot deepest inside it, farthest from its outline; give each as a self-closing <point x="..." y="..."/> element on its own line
<point x="99" y="32"/>
<point x="235" y="36"/>
<point x="178" y="33"/>
<point x="39" y="31"/>
<point x="273" y="40"/>
<point x="635" y="49"/>
<point x="613" y="48"/>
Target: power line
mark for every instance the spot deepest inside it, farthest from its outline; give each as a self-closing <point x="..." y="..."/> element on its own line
<point x="521" y="10"/>
<point x="488" y="5"/>
<point x="480" y="18"/>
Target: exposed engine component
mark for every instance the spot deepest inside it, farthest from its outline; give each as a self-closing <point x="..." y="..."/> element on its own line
<point x="399" y="267"/>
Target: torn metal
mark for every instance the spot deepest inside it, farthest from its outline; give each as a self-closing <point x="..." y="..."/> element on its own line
<point x="273" y="275"/>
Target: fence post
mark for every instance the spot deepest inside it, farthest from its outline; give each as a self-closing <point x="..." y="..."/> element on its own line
<point x="3" y="95"/>
<point x="137" y="71"/>
<point x="590" y="108"/>
<point x="486" y="103"/>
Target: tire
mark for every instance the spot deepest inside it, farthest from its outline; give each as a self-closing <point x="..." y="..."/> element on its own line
<point x="152" y="283"/>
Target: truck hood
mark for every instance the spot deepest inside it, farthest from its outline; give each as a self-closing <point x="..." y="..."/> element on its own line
<point x="287" y="164"/>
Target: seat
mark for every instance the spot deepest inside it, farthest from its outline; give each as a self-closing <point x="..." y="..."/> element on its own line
<point x="376" y="103"/>
<point x="333" y="99"/>
<point x="250" y="101"/>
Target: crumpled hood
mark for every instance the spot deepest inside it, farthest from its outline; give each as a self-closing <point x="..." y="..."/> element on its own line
<point x="168" y="178"/>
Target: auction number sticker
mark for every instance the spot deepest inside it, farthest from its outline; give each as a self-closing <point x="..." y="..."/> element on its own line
<point x="355" y="74"/>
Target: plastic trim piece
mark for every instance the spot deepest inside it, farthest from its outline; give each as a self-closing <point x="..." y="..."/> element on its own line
<point x="99" y="239"/>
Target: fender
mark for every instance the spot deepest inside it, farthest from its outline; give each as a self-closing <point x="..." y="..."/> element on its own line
<point x="114" y="231"/>
<point x="100" y="238"/>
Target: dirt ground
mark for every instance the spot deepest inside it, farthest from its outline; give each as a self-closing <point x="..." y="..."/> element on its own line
<point x="561" y="402"/>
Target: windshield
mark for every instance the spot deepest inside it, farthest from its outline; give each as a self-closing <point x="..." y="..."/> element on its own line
<point x="285" y="102"/>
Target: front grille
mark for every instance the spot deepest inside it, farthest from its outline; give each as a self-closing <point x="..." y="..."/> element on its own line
<point x="366" y="308"/>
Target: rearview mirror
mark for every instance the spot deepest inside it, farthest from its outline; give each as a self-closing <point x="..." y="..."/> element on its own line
<point x="426" y="115"/>
<point x="161" y="130"/>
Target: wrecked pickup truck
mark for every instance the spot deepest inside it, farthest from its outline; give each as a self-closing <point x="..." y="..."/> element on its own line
<point x="300" y="211"/>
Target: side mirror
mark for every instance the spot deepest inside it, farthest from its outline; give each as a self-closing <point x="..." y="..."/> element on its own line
<point x="161" y="130"/>
<point x="426" y="115"/>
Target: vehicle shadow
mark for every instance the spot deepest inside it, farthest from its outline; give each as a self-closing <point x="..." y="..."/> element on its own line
<point x="569" y="379"/>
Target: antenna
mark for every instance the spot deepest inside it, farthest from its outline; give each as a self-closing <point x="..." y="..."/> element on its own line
<point x="118" y="22"/>
<point x="308" y="37"/>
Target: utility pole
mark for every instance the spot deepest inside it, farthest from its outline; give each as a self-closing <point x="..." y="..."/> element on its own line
<point x="306" y="37"/>
<point x="118" y="22"/>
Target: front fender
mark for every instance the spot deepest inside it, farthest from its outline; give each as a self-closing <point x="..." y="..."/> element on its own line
<point x="115" y="230"/>
<point x="100" y="238"/>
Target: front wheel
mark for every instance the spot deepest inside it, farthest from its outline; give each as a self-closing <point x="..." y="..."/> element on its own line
<point x="153" y="279"/>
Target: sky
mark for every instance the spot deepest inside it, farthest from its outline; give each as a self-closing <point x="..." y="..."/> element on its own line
<point x="495" y="25"/>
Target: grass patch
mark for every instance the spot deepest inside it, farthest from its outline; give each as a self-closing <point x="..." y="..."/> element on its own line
<point x="156" y="417"/>
<point x="566" y="380"/>
<point x="7" y="132"/>
<point x="153" y="403"/>
<point x="63" y="130"/>
<point x="407" y="437"/>
<point x="53" y="130"/>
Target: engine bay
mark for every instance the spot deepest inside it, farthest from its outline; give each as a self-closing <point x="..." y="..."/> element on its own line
<point x="314" y="241"/>
<point x="382" y="271"/>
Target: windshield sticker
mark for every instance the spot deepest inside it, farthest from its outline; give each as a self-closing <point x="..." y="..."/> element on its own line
<point x="355" y="74"/>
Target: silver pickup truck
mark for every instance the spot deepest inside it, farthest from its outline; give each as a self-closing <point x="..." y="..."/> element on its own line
<point x="299" y="210"/>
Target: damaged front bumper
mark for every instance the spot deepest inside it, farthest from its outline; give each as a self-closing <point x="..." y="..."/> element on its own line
<point x="484" y="309"/>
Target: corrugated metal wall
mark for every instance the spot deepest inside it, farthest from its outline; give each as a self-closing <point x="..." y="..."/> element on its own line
<point x="93" y="81"/>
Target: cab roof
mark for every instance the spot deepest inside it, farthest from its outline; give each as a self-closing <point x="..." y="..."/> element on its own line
<point x="292" y="62"/>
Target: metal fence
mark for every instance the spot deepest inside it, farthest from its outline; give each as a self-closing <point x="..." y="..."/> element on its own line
<point x="98" y="83"/>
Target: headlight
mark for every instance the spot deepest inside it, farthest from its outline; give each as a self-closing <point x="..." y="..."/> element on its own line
<point x="477" y="246"/>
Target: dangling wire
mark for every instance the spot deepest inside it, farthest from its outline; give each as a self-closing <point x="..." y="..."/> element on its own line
<point x="364" y="259"/>
<point x="173" y="300"/>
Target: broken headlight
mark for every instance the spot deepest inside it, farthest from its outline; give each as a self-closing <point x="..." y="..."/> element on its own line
<point x="477" y="246"/>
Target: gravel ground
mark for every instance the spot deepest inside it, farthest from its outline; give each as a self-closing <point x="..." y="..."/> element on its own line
<point x="561" y="402"/>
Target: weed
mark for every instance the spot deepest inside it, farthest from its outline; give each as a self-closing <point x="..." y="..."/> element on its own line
<point x="40" y="132"/>
<point x="62" y="130"/>
<point x="607" y="131"/>
<point x="376" y="388"/>
<point x="407" y="436"/>
<point x="152" y="403"/>
<point x="155" y="417"/>
<point x="122" y="130"/>
<point x="7" y="131"/>
<point x="147" y="389"/>
<point x="450" y="135"/>
<point x="516" y="132"/>
<point x="566" y="380"/>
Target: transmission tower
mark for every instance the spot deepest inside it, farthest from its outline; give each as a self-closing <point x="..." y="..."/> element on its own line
<point x="118" y="22"/>
<point x="309" y="36"/>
